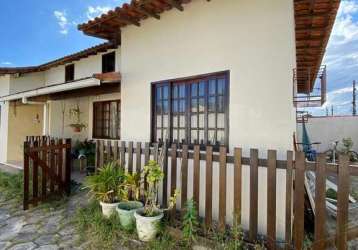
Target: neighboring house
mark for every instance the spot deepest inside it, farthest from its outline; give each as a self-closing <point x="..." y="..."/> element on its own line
<point x="214" y="72"/>
<point x="326" y="130"/>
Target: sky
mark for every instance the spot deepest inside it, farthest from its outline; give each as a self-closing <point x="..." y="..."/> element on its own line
<point x="37" y="31"/>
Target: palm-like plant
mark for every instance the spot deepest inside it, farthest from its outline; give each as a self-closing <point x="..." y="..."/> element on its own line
<point x="107" y="185"/>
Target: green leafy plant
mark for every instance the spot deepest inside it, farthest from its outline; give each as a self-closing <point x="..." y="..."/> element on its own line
<point x="108" y="184"/>
<point x="11" y="185"/>
<point x="153" y="175"/>
<point x="132" y="186"/>
<point x="87" y="148"/>
<point x="236" y="239"/>
<point x="347" y="145"/>
<point x="331" y="193"/>
<point x="190" y="223"/>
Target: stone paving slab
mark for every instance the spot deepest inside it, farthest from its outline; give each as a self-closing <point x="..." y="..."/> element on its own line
<point x="44" y="227"/>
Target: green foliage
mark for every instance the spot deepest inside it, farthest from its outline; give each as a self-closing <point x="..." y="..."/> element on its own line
<point x="330" y="193"/>
<point x="163" y="242"/>
<point x="190" y="222"/>
<point x="132" y="185"/>
<point x="108" y="184"/>
<point x="87" y="148"/>
<point x="307" y="242"/>
<point x="347" y="145"/>
<point x="235" y="240"/>
<point x="11" y="185"/>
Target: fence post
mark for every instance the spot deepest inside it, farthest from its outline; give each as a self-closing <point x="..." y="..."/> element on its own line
<point x="253" y="194"/>
<point x="288" y="232"/>
<point x="68" y="167"/>
<point x="196" y="177"/>
<point x="60" y="164"/>
<point x="222" y="188"/>
<point x="184" y="176"/>
<point x="209" y="188"/>
<point x="173" y="172"/>
<point x="35" y="173"/>
<point x="130" y="157"/>
<point x="26" y="175"/>
<point x="299" y="200"/>
<point x="342" y="201"/>
<point x="237" y="184"/>
<point x="271" y="199"/>
<point x="320" y="203"/>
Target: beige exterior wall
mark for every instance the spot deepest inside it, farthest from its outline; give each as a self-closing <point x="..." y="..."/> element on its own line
<point x="255" y="41"/>
<point x="26" y="82"/>
<point x="23" y="120"/>
<point x="59" y="118"/>
<point x="327" y="130"/>
<point x="4" y="111"/>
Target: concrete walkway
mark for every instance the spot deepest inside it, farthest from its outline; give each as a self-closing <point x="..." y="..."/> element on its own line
<point x="44" y="227"/>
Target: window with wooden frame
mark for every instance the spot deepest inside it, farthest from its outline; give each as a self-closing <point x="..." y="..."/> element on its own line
<point x="70" y="73"/>
<point x="106" y="119"/>
<point x="192" y="110"/>
<point x="109" y="62"/>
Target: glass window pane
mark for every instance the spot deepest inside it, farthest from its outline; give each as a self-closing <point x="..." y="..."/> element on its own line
<point x="201" y="105"/>
<point x="182" y="106"/>
<point x="194" y="105"/>
<point x="211" y="137"/>
<point x="201" y="137"/>
<point x="221" y="120"/>
<point x="159" y="93"/>
<point x="181" y="135"/>
<point x="194" y="136"/>
<point x="212" y="87"/>
<point x="212" y="102"/>
<point x="175" y="121"/>
<point x="182" y="121"/>
<point x="165" y="92"/>
<point x="194" y="89"/>
<point x="182" y="91"/>
<point x="194" y="121"/>
<point x="202" y="89"/>
<point x="201" y="120"/>
<point x="159" y="121"/>
<point x="175" y="106"/>
<point x="221" y="86"/>
<point x="211" y="121"/>
<point x="165" y="121"/>
<point x="220" y="104"/>
<point x="159" y="134"/>
<point x="175" y="134"/>
<point x="165" y="135"/>
<point x="221" y="137"/>
<point x="175" y="92"/>
<point x="165" y="107"/>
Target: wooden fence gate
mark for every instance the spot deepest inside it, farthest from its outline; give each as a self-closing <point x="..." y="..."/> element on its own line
<point x="47" y="168"/>
<point x="134" y="157"/>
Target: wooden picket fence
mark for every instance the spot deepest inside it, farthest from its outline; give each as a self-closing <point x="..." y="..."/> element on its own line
<point x="47" y="168"/>
<point x="295" y="190"/>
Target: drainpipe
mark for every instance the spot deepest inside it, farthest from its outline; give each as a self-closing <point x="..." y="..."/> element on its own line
<point x="26" y="101"/>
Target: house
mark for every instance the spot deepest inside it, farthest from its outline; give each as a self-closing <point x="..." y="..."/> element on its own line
<point x="220" y="72"/>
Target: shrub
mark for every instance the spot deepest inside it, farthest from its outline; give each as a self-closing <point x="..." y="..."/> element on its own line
<point x="190" y="222"/>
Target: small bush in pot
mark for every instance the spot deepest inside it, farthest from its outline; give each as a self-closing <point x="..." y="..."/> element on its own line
<point x="127" y="208"/>
<point x="106" y="186"/>
<point x="149" y="217"/>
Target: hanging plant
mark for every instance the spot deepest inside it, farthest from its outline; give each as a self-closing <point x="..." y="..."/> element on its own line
<point x="75" y="113"/>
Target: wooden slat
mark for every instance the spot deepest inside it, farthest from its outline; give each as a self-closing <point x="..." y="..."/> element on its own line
<point x="115" y="152"/>
<point x="184" y="176"/>
<point x="130" y="157"/>
<point x="101" y="153"/>
<point x="68" y="167"/>
<point x="196" y="178"/>
<point x="173" y="178"/>
<point x="299" y="200"/>
<point x="342" y="202"/>
<point x="237" y="184"/>
<point x="156" y="152"/>
<point x="52" y="166"/>
<point x="288" y="229"/>
<point x="123" y="154"/>
<point x="44" y="172"/>
<point x="138" y="151"/>
<point x="320" y="203"/>
<point x="253" y="194"/>
<point x="146" y="153"/>
<point x="97" y="155"/>
<point x="209" y="188"/>
<point x="60" y="164"/>
<point x="222" y="189"/>
<point x="271" y="199"/>
<point x="26" y="176"/>
<point x="35" y="172"/>
<point x="109" y="155"/>
<point x="165" y="170"/>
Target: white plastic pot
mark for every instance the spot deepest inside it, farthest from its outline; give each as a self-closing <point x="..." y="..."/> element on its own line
<point x="108" y="208"/>
<point x="126" y="211"/>
<point x="147" y="227"/>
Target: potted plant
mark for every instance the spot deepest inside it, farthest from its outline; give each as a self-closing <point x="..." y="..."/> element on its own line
<point x="148" y="218"/>
<point x="75" y="113"/>
<point x="107" y="187"/>
<point x="127" y="208"/>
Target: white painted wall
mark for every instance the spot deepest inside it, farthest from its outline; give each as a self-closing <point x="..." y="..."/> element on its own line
<point x="329" y="129"/>
<point x="26" y="82"/>
<point x="255" y="41"/>
<point x="4" y="113"/>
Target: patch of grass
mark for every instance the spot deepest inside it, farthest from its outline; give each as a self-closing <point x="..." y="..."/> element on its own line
<point x="11" y="185"/>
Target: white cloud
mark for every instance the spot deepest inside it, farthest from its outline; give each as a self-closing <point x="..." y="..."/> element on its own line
<point x="6" y="63"/>
<point x="62" y="21"/>
<point x="345" y="29"/>
<point x="93" y="12"/>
